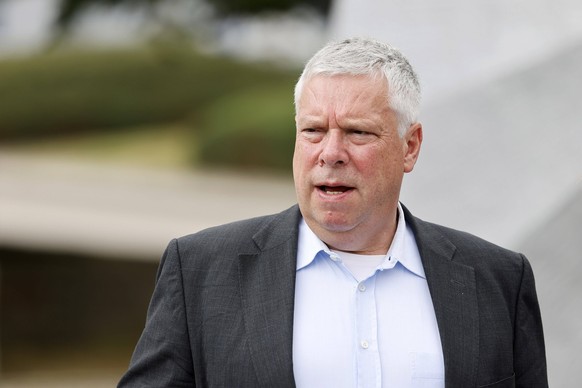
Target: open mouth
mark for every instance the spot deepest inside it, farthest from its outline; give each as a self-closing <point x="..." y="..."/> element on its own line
<point x="334" y="190"/>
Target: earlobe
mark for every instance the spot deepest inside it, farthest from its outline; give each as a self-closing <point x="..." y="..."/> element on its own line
<point x="413" y="139"/>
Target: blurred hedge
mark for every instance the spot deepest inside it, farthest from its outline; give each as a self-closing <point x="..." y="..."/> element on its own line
<point x="252" y="128"/>
<point x="242" y="113"/>
<point x="70" y="92"/>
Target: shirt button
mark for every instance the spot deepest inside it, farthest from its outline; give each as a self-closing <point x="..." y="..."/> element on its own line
<point x="334" y="257"/>
<point x="362" y="287"/>
<point x="364" y="344"/>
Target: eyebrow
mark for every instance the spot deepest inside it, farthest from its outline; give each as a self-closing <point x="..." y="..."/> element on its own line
<point x="310" y="121"/>
<point x="353" y="123"/>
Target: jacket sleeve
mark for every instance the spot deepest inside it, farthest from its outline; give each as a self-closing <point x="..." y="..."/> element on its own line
<point x="163" y="357"/>
<point x="528" y="346"/>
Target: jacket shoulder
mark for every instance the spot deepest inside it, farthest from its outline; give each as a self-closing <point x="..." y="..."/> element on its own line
<point x="240" y="237"/>
<point x="230" y="233"/>
<point x="467" y="242"/>
<point x="468" y="248"/>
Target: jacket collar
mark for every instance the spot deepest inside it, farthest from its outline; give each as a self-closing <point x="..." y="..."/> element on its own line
<point x="454" y="295"/>
<point x="267" y="285"/>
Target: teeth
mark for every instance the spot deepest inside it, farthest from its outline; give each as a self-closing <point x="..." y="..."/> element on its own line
<point x="333" y="190"/>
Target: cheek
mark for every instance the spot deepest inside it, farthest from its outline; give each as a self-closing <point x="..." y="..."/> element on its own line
<point x="297" y="162"/>
<point x="297" y="154"/>
<point x="303" y="154"/>
<point x="300" y="169"/>
<point x="381" y="170"/>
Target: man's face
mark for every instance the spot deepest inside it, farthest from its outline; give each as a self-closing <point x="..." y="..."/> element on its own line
<point x="349" y="161"/>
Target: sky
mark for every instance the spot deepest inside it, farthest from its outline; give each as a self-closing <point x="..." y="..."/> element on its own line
<point x="24" y="24"/>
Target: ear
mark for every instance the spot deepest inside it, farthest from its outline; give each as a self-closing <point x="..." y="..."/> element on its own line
<point x="412" y="141"/>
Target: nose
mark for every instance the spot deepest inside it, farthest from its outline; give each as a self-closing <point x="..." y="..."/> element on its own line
<point x="333" y="151"/>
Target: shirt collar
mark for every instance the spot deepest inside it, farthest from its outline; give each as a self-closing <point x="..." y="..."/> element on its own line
<point x="309" y="245"/>
<point x="403" y="247"/>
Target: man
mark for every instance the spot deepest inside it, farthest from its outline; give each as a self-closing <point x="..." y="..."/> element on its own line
<point x="347" y="289"/>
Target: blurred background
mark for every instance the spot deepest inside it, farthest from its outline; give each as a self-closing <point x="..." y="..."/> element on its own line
<point x="125" y="123"/>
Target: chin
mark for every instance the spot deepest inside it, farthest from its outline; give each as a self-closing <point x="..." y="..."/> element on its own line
<point x="334" y="223"/>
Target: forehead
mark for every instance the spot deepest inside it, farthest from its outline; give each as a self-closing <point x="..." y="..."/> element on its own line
<point x="343" y="94"/>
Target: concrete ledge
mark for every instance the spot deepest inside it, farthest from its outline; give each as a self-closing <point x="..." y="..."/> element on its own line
<point x="107" y="210"/>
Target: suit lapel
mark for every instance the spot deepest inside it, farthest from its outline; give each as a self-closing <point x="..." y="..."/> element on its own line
<point x="267" y="284"/>
<point x="453" y="292"/>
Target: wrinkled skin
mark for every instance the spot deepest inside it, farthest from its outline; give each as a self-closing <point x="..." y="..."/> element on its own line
<point x="349" y="161"/>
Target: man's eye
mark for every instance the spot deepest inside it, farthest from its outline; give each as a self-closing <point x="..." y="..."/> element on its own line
<point x="311" y="131"/>
<point x="312" y="134"/>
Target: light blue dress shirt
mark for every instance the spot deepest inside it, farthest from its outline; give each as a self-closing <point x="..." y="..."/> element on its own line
<point x="380" y="331"/>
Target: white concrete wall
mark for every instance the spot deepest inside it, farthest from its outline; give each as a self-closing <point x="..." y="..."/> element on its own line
<point x="453" y="42"/>
<point x="500" y="92"/>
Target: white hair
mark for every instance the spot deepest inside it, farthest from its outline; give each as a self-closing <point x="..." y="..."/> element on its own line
<point x="359" y="56"/>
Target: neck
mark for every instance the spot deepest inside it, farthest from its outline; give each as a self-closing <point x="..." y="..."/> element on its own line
<point x="362" y="239"/>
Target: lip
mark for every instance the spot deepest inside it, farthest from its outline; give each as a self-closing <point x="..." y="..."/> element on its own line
<point x="325" y="190"/>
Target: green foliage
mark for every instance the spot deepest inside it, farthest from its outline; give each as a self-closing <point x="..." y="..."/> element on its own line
<point x="254" y="128"/>
<point x="75" y="92"/>
<point x="69" y="10"/>
<point x="238" y="114"/>
<point x="245" y="7"/>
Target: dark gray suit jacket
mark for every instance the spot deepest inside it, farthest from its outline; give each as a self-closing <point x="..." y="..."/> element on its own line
<point x="221" y="314"/>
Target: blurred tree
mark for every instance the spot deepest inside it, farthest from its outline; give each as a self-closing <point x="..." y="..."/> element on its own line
<point x="70" y="9"/>
<point x="238" y="7"/>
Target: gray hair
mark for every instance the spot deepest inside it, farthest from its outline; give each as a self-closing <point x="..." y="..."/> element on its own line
<point x="359" y="56"/>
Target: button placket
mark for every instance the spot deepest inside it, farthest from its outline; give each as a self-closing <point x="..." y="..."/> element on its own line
<point x="334" y="257"/>
<point x="368" y="357"/>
